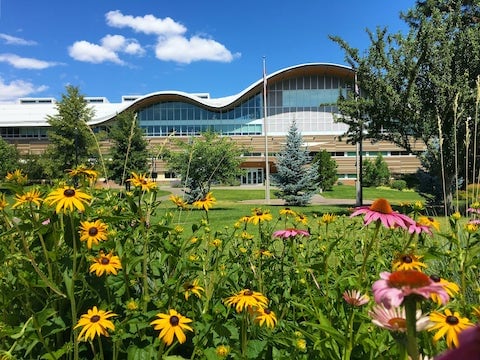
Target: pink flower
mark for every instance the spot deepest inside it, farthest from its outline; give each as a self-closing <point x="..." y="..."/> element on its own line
<point x="381" y="211"/>
<point x="355" y="298"/>
<point x="393" y="287"/>
<point x="419" y="228"/>
<point x="395" y="319"/>
<point x="288" y="233"/>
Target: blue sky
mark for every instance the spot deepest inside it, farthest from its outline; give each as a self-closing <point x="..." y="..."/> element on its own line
<point x="112" y="48"/>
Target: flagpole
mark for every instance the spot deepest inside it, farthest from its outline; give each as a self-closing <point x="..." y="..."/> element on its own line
<point x="267" y="167"/>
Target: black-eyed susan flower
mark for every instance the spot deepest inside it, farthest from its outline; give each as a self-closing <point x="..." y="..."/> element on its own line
<point x="192" y="288"/>
<point x="355" y="297"/>
<point x="450" y="287"/>
<point x="264" y="253"/>
<point x="108" y="264"/>
<point x="449" y="324"/>
<point x="381" y="211"/>
<point x="142" y="182"/>
<point x="429" y="221"/>
<point x="85" y="172"/>
<point x="408" y="262"/>
<point x="259" y="215"/>
<point x="178" y="201"/>
<point x="29" y="197"/>
<point x="301" y="219"/>
<point x="172" y="325"/>
<point x="17" y="177"/>
<point x="206" y="202"/>
<point x="288" y="212"/>
<point x="67" y="198"/>
<point x="247" y="299"/>
<point x="93" y="232"/>
<point x="95" y="322"/>
<point x="265" y="316"/>
<point x="222" y="350"/>
<point x="328" y="218"/>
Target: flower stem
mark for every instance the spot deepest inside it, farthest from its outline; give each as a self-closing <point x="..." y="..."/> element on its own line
<point x="410" y="304"/>
<point x="368" y="250"/>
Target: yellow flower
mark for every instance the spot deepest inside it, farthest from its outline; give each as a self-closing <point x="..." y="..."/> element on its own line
<point x="95" y="322"/>
<point x="266" y="316"/>
<point x="246" y="235"/>
<point x="263" y="253"/>
<point x="301" y="344"/>
<point x="3" y="202"/>
<point x="451" y="288"/>
<point x="302" y="219"/>
<point x="67" y="198"/>
<point x="82" y="170"/>
<point x="132" y="305"/>
<point x="32" y="196"/>
<point x="259" y="215"/>
<point x="456" y="216"/>
<point x="172" y="325"/>
<point x="193" y="288"/>
<point x="108" y="264"/>
<point x="178" y="201"/>
<point x="407" y="262"/>
<point x="17" y="176"/>
<point x="449" y="324"/>
<point x="223" y="350"/>
<point x="216" y="243"/>
<point x="429" y="221"/>
<point x="288" y="212"/>
<point x="247" y="299"/>
<point x="205" y="203"/>
<point x="141" y="181"/>
<point x="418" y="205"/>
<point x="471" y="227"/>
<point x="328" y="218"/>
<point x="93" y="232"/>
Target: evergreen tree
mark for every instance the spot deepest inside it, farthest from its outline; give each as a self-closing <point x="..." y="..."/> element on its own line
<point x="129" y="150"/>
<point x="326" y="170"/>
<point x="375" y="172"/>
<point x="71" y="141"/>
<point x="295" y="179"/>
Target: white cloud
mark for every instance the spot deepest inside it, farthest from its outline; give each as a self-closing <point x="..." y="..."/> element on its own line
<point x="16" y="89"/>
<point x="12" y="40"/>
<point x="183" y="50"/>
<point x="26" y="63"/>
<point x="120" y="43"/>
<point x="147" y="24"/>
<point x="93" y="53"/>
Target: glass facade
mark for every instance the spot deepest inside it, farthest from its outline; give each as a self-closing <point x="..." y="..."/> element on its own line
<point x="309" y="100"/>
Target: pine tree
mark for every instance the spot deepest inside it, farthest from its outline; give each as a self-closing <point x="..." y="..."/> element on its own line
<point x="295" y="180"/>
<point x="326" y="170"/>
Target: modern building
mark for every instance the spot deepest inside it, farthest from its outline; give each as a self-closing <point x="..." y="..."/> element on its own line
<point x="306" y="94"/>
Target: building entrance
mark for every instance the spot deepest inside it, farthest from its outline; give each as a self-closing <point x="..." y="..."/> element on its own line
<point x="252" y="177"/>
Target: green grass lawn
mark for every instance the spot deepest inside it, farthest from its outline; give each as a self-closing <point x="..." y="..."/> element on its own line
<point x="370" y="193"/>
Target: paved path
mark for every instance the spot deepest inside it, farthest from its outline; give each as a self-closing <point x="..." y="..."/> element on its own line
<point x="316" y="199"/>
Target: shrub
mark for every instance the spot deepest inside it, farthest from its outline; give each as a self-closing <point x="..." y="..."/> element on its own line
<point x="399" y="185"/>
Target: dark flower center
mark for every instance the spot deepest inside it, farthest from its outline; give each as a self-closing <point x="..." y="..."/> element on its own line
<point x="92" y="231"/>
<point x="174" y="320"/>
<point x="95" y="318"/>
<point x="397" y="323"/>
<point x="69" y="193"/>
<point x="248" y="293"/>
<point x="407" y="259"/>
<point x="452" y="320"/>
<point x="381" y="206"/>
<point x="267" y="311"/>
<point x="105" y="261"/>
<point x="435" y="278"/>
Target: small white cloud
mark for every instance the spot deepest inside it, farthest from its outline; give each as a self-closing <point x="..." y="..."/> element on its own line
<point x="10" y="92"/>
<point x="12" y="40"/>
<point x="93" y="53"/>
<point x="183" y="50"/>
<point x="26" y="63"/>
<point x="120" y="43"/>
<point x="147" y="24"/>
<point x="134" y="48"/>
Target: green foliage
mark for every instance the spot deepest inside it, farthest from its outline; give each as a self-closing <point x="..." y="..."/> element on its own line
<point x="399" y="184"/>
<point x="71" y="140"/>
<point x="203" y="161"/>
<point x="326" y="169"/>
<point x="375" y="172"/>
<point x="9" y="155"/>
<point x="421" y="86"/>
<point x="129" y="149"/>
<point x="295" y="179"/>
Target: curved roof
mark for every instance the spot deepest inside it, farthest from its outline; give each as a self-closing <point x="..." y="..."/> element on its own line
<point x="34" y="115"/>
